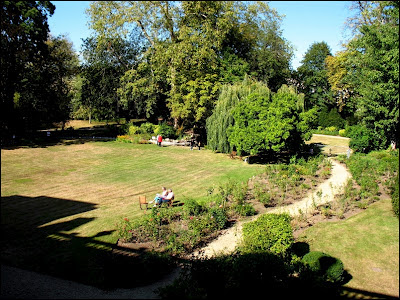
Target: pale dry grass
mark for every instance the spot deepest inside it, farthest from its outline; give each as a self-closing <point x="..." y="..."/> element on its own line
<point x="336" y="145"/>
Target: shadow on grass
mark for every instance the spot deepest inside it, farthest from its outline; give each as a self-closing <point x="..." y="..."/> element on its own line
<point x="43" y="139"/>
<point x="32" y="239"/>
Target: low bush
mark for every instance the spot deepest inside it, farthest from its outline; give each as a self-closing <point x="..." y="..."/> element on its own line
<point x="271" y="232"/>
<point x="178" y="230"/>
<point x="325" y="266"/>
<point x="245" y="209"/>
<point x="147" y="128"/>
<point x="165" y="130"/>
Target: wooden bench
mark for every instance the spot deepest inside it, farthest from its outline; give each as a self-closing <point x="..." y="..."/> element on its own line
<point x="142" y="200"/>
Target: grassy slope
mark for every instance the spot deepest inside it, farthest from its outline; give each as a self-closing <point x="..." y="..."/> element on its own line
<point x="368" y="245"/>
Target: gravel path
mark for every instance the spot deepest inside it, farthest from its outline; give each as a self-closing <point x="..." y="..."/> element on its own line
<point x="22" y="284"/>
<point x="325" y="192"/>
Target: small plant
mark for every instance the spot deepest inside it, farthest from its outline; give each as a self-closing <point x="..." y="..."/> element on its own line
<point x="124" y="229"/>
<point x="326" y="210"/>
<point x="245" y="209"/>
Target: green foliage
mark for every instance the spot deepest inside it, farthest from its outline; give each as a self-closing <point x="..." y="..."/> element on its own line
<point x="26" y="64"/>
<point x="313" y="74"/>
<point x="165" y="130"/>
<point x="324" y="265"/>
<point x="264" y="123"/>
<point x="147" y="128"/>
<point x="193" y="208"/>
<point x="330" y="118"/>
<point x="362" y="138"/>
<point x="222" y="118"/>
<point x="245" y="209"/>
<point x="188" y="49"/>
<point x="372" y="169"/>
<point x="144" y="129"/>
<point x="373" y="70"/>
<point x="165" y="226"/>
<point x="270" y="232"/>
<point x="395" y="195"/>
<point x="102" y="69"/>
<point x="133" y="130"/>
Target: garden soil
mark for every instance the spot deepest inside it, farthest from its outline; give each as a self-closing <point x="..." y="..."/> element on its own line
<point x="22" y="284"/>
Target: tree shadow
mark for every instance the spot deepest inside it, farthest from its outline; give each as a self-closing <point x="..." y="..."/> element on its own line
<point x="44" y="139"/>
<point x="33" y="239"/>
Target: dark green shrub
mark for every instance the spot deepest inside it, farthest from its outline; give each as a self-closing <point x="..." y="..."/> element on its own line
<point x="219" y="215"/>
<point x="331" y="118"/>
<point x="271" y="232"/>
<point x="327" y="267"/>
<point x="361" y="138"/>
<point x="192" y="208"/>
<point x="166" y="131"/>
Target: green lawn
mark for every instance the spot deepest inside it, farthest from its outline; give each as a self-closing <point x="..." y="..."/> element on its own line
<point x="368" y="245"/>
<point x="59" y="202"/>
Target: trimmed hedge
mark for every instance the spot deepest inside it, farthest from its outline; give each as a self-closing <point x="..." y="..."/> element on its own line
<point x="324" y="265"/>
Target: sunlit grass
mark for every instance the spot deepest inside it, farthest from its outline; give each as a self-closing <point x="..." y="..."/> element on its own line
<point x="368" y="245"/>
<point x="111" y="176"/>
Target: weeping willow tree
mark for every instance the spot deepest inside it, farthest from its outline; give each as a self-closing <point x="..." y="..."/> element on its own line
<point x="222" y="117"/>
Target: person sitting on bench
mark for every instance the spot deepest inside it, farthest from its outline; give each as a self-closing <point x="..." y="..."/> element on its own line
<point x="158" y="196"/>
<point x="164" y="199"/>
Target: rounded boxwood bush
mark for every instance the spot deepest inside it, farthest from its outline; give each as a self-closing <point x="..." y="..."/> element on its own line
<point x="324" y="265"/>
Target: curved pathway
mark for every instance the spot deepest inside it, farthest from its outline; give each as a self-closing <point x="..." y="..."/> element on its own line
<point x="325" y="192"/>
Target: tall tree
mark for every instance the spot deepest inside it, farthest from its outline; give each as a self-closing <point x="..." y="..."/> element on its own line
<point x="373" y="68"/>
<point x="104" y="64"/>
<point x="222" y="117"/>
<point x="24" y="31"/>
<point x="313" y="75"/>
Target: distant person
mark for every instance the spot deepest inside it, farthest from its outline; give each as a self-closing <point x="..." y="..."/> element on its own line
<point x="170" y="196"/>
<point x="198" y="141"/>
<point x="159" y="140"/>
<point x="192" y="140"/>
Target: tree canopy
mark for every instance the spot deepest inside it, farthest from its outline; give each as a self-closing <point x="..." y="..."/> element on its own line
<point x="24" y="31"/>
<point x="365" y="76"/>
<point x="251" y="119"/>
<point x="191" y="48"/>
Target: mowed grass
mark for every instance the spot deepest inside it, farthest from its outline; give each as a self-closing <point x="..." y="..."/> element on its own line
<point x="100" y="182"/>
<point x="367" y="244"/>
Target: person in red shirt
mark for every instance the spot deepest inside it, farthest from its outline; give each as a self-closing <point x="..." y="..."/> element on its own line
<point x="159" y="140"/>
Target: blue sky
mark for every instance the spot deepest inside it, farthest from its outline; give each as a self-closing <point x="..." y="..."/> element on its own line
<point x="305" y="22"/>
